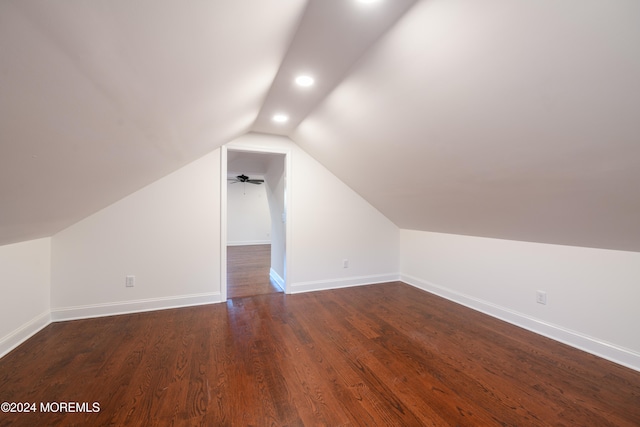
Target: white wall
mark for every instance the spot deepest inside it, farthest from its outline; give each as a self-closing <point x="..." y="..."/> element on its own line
<point x="329" y="223"/>
<point x="248" y="220"/>
<point x="25" y="270"/>
<point x="167" y="235"/>
<point x="275" y="181"/>
<point x="592" y="294"/>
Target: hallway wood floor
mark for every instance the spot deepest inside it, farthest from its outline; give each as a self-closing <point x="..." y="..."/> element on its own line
<point x="248" y="271"/>
<point x="378" y="355"/>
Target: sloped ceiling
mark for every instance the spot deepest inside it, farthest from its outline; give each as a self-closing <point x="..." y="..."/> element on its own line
<point x="508" y="119"/>
<point x="498" y="118"/>
<point x="99" y="98"/>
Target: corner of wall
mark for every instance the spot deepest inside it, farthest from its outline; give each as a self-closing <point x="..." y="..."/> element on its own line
<point x="23" y="332"/>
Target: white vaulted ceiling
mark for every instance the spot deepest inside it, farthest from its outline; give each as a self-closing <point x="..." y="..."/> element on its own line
<point x="509" y="119"/>
<point x="499" y="118"/>
<point x="99" y="98"/>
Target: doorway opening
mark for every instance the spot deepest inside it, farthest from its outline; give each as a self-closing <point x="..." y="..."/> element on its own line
<point x="254" y="242"/>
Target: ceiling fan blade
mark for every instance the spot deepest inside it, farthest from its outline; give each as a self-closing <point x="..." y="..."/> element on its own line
<point x="256" y="181"/>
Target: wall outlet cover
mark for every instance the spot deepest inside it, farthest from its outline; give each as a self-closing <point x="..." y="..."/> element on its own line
<point x="541" y="297"/>
<point x="130" y="281"/>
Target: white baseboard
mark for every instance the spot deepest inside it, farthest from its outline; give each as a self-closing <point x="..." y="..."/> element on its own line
<point x="23" y="333"/>
<point x="136" y="306"/>
<point x="346" y="282"/>
<point x="249" y="243"/>
<point x="275" y="277"/>
<point x="616" y="354"/>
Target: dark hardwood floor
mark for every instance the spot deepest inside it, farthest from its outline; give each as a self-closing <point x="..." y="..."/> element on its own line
<point x="376" y="355"/>
<point x="248" y="271"/>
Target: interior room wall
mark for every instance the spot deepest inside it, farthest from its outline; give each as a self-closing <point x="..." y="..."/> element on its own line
<point x="25" y="270"/>
<point x="592" y="294"/>
<point x="275" y="186"/>
<point x="330" y="223"/>
<point x="249" y="219"/>
<point x="167" y="235"/>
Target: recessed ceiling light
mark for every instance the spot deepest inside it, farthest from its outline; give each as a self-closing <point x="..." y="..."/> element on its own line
<point x="280" y="118"/>
<point x="304" y="81"/>
<point x="368" y="1"/>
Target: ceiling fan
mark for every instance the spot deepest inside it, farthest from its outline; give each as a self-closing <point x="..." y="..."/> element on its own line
<point x="243" y="178"/>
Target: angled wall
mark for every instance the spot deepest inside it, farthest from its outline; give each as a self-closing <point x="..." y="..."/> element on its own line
<point x="330" y="223"/>
<point x="166" y="235"/>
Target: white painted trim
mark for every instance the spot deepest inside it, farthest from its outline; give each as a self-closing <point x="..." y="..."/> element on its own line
<point x="223" y="223"/>
<point x="614" y="353"/>
<point x="347" y="282"/>
<point x="275" y="277"/>
<point x="289" y="218"/>
<point x="251" y="148"/>
<point x="249" y="243"/>
<point x="135" y="306"/>
<point x="21" y="334"/>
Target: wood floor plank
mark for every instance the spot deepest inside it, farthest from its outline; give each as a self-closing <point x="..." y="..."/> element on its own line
<point x="422" y="384"/>
<point x="248" y="271"/>
<point x="386" y="354"/>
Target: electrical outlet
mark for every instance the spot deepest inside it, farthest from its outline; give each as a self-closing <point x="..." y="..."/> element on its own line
<point x="345" y="263"/>
<point x="130" y="281"/>
<point x="541" y="297"/>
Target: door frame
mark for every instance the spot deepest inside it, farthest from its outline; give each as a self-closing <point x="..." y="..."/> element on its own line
<point x="224" y="211"/>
